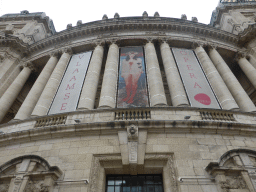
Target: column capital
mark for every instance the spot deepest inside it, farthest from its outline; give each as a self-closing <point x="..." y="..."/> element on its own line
<point x="241" y="54"/>
<point x="196" y="44"/>
<point x="212" y="46"/>
<point x="54" y="54"/>
<point x="30" y="65"/>
<point x="163" y="40"/>
<point x="98" y="43"/>
<point x="67" y="50"/>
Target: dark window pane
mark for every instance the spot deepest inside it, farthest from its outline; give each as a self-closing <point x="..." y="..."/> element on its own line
<point x="142" y="189"/>
<point x="141" y="180"/>
<point x="111" y="180"/>
<point x="110" y="189"/>
<point x="149" y="180"/>
<point x="134" y="189"/>
<point x="157" y="179"/>
<point x="118" y="189"/>
<point x="134" y="180"/>
<point x="150" y="188"/>
<point x="127" y="180"/>
<point x="126" y="189"/>
<point x="118" y="181"/>
<point x="158" y="188"/>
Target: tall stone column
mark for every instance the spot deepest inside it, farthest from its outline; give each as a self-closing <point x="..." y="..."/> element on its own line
<point x="89" y="90"/>
<point x="252" y="60"/>
<point x="248" y="69"/>
<point x="51" y="87"/>
<point x="108" y="90"/>
<point x="155" y="82"/>
<point x="176" y="88"/>
<point x="13" y="91"/>
<point x="29" y="103"/>
<point x="241" y="97"/>
<point x="224" y="96"/>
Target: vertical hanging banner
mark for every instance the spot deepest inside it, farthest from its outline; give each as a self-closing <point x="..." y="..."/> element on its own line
<point x="132" y="86"/>
<point x="197" y="87"/>
<point x="68" y="94"/>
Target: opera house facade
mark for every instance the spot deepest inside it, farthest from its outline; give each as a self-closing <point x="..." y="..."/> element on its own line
<point x="129" y="104"/>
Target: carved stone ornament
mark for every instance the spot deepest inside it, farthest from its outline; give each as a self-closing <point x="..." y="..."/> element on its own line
<point x="236" y="182"/>
<point x="79" y="22"/>
<point x="69" y="26"/>
<point x="194" y="19"/>
<point x="54" y="54"/>
<point x="30" y="65"/>
<point x="238" y="29"/>
<point x="184" y="17"/>
<point x="156" y="14"/>
<point x="4" y="188"/>
<point x="67" y="50"/>
<point x="36" y="187"/>
<point x="145" y="14"/>
<point x="132" y="132"/>
<point x="105" y="17"/>
<point x="116" y="16"/>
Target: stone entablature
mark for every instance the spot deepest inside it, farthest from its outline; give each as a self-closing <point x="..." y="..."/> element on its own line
<point x="167" y="119"/>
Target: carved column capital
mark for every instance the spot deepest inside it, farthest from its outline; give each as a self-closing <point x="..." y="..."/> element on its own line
<point x="197" y="44"/>
<point x="54" y="54"/>
<point x="67" y="50"/>
<point x="30" y="65"/>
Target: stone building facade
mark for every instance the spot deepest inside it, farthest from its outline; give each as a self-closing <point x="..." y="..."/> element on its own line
<point x="129" y="104"/>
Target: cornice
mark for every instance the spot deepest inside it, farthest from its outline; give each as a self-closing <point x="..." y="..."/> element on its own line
<point x="247" y="35"/>
<point x="152" y="26"/>
<point x="225" y="8"/>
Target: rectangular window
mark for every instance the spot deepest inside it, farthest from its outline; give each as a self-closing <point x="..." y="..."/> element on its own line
<point x="134" y="183"/>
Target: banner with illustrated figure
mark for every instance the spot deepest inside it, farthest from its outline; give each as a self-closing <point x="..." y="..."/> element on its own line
<point x="132" y="85"/>
<point x="68" y="94"/>
<point x="197" y="87"/>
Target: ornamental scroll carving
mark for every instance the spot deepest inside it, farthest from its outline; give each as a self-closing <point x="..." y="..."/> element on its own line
<point x="38" y="186"/>
<point x="235" y="171"/>
<point x="28" y="173"/>
<point x="236" y="182"/>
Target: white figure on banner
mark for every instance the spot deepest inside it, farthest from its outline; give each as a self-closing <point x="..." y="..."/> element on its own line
<point x="131" y="72"/>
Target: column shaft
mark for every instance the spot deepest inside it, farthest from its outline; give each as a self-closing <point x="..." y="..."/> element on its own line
<point x="12" y="92"/>
<point x="108" y="90"/>
<point x="155" y="82"/>
<point x="89" y="91"/>
<point x="51" y="87"/>
<point x="248" y="69"/>
<point x="29" y="103"/>
<point x="241" y="97"/>
<point x="176" y="88"/>
<point x="224" y="96"/>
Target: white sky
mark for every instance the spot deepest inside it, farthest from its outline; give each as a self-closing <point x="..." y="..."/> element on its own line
<point x="65" y="12"/>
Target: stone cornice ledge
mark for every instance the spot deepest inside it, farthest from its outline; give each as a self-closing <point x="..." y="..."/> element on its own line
<point x="112" y="127"/>
<point x="98" y="28"/>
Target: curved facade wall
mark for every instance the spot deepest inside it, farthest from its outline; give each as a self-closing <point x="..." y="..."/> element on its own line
<point x="143" y="97"/>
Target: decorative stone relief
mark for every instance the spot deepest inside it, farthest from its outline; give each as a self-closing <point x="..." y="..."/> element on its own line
<point x="105" y="17"/>
<point x="132" y="132"/>
<point x="37" y="186"/>
<point x="194" y="19"/>
<point x="184" y="16"/>
<point x="145" y="14"/>
<point x="156" y="14"/>
<point x="116" y="16"/>
<point x="4" y="188"/>
<point x="233" y="183"/>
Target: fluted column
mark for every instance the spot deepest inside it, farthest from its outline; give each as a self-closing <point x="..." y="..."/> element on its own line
<point x="224" y="96"/>
<point x="155" y="82"/>
<point x="51" y="87"/>
<point x="108" y="90"/>
<point x="13" y="91"/>
<point x="29" y="103"/>
<point x="248" y="69"/>
<point x="176" y="88"/>
<point x="89" y="90"/>
<point x="241" y="97"/>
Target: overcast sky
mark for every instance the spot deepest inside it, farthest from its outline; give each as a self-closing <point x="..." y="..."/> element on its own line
<point x="65" y="12"/>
